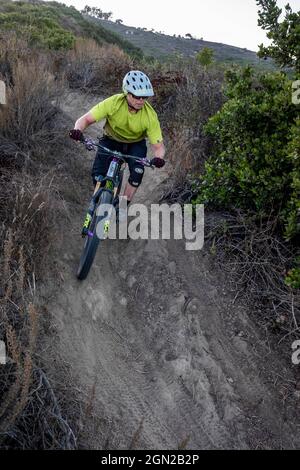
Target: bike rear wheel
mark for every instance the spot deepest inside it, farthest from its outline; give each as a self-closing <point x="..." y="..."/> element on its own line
<point x="92" y="241"/>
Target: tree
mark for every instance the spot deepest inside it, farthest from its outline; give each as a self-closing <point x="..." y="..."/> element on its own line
<point x="205" y="56"/>
<point x="285" y="35"/>
<point x="106" y="16"/>
<point x="87" y="10"/>
<point x="188" y="35"/>
<point x="119" y="21"/>
<point x="96" y="12"/>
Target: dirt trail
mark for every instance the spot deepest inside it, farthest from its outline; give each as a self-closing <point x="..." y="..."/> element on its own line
<point x="175" y="362"/>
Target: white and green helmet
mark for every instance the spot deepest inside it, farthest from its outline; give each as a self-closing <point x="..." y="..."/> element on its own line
<point x="137" y="83"/>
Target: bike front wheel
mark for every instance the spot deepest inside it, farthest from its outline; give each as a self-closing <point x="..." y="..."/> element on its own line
<point x="92" y="240"/>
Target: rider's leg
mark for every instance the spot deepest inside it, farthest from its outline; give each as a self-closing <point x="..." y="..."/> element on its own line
<point x="100" y="167"/>
<point x="102" y="160"/>
<point x="137" y="149"/>
<point x="129" y="191"/>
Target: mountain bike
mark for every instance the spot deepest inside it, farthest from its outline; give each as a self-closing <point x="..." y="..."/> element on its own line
<point x="97" y="222"/>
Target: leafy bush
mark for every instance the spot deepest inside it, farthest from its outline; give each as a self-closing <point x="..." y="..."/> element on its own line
<point x="255" y="164"/>
<point x="293" y="277"/>
<point x="205" y="56"/>
<point x="285" y="35"/>
<point x="54" y="25"/>
<point x="292" y="212"/>
<point x="38" y="28"/>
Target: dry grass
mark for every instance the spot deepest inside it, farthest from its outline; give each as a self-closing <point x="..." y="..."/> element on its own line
<point x="256" y="260"/>
<point x="30" y="407"/>
<point x="32" y="152"/>
<point x="19" y="324"/>
<point x="12" y="50"/>
<point x="28" y="122"/>
<point x="186" y="98"/>
<point x="28" y="205"/>
<point x="97" y="69"/>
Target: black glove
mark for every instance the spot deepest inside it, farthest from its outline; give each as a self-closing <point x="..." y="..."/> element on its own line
<point x="158" y="162"/>
<point x="76" y="134"/>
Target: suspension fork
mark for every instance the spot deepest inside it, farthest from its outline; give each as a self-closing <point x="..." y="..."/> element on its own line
<point x="111" y="175"/>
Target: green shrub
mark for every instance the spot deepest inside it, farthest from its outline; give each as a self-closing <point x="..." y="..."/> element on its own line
<point x="255" y="161"/>
<point x="293" y="278"/>
<point x="205" y="56"/>
<point x="38" y="29"/>
<point x="292" y="212"/>
<point x="54" y="25"/>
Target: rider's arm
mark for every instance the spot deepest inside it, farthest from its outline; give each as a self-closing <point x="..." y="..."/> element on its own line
<point x="98" y="112"/>
<point x="155" y="137"/>
<point x="158" y="150"/>
<point x="84" y="121"/>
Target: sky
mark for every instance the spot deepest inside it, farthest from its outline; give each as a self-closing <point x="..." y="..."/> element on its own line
<point x="231" y="22"/>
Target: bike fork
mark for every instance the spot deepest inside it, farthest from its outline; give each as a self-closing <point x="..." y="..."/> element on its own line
<point x="90" y="212"/>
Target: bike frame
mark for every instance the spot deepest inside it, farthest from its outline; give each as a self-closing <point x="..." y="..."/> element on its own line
<point x="111" y="179"/>
<point x="115" y="164"/>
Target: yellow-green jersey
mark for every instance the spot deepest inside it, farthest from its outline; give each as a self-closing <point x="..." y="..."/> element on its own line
<point x="124" y="126"/>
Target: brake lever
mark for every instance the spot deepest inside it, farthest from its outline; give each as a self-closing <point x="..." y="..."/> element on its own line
<point x="89" y="145"/>
<point x="147" y="163"/>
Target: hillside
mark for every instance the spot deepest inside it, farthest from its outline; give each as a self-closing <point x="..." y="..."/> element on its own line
<point x="55" y="26"/>
<point x="161" y="45"/>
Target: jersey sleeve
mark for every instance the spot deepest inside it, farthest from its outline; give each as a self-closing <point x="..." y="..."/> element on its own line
<point x="103" y="109"/>
<point x="154" y="133"/>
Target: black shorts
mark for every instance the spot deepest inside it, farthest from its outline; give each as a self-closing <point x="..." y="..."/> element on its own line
<point x="102" y="160"/>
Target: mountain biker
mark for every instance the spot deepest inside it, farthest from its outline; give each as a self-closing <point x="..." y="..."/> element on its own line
<point x="130" y="119"/>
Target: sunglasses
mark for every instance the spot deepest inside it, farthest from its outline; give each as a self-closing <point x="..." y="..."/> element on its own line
<point x="139" y="97"/>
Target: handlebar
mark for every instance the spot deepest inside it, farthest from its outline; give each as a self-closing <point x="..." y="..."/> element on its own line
<point x="90" y="144"/>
